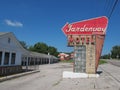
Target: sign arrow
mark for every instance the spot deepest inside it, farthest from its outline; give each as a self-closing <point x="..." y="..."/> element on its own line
<point x="87" y="27"/>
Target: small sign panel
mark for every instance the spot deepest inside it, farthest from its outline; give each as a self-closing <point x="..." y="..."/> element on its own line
<point x="78" y="40"/>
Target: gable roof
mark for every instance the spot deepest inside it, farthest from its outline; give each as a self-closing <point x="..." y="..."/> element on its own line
<point x="26" y="52"/>
<point x="15" y="39"/>
<point x="3" y="33"/>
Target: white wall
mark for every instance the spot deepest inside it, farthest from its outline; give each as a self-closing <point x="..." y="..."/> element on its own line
<point x="18" y="58"/>
<point x="12" y="47"/>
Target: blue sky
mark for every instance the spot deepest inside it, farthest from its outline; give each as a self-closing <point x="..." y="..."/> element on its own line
<point x="35" y="21"/>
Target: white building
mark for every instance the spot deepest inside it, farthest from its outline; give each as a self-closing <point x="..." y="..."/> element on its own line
<point x="10" y="50"/>
<point x="13" y="55"/>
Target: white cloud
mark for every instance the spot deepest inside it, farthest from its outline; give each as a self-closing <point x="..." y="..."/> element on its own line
<point x="13" y="23"/>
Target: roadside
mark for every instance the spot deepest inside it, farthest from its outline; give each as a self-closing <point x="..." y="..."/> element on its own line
<point x="102" y="61"/>
<point x="50" y="78"/>
<point x="9" y="77"/>
<point x="4" y="78"/>
<point x="114" y="62"/>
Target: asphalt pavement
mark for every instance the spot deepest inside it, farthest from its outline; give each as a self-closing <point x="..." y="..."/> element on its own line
<point x="50" y="78"/>
<point x="114" y="62"/>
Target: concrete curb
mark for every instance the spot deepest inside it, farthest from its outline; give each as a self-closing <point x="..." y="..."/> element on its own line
<point x="69" y="74"/>
<point x="17" y="75"/>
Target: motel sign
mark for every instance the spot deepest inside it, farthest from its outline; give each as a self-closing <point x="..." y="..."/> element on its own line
<point x="87" y="38"/>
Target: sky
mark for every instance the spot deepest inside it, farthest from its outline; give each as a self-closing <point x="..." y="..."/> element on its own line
<point x="35" y="21"/>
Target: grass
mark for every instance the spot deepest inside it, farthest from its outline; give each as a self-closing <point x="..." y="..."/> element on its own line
<point x="102" y="61"/>
<point x="71" y="61"/>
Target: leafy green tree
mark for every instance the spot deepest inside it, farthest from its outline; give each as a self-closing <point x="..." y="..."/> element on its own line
<point x="31" y="48"/>
<point x="115" y="52"/>
<point x="106" y="56"/>
<point x="53" y="51"/>
<point x="41" y="47"/>
<point x="24" y="45"/>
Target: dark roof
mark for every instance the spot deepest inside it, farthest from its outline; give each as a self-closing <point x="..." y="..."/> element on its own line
<point x="41" y="55"/>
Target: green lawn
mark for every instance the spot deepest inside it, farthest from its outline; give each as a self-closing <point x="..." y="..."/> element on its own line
<point x="102" y="61"/>
<point x="71" y="61"/>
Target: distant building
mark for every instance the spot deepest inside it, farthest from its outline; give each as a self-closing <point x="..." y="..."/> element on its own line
<point x="72" y="56"/>
<point x="13" y="55"/>
<point x="64" y="56"/>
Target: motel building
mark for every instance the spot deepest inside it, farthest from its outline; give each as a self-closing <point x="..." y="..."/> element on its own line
<point x="13" y="56"/>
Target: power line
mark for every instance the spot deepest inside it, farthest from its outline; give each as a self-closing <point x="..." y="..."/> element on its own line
<point x="113" y="8"/>
<point x="110" y="5"/>
<point x="107" y="3"/>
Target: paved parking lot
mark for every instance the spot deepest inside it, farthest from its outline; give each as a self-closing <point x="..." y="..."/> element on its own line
<point x="50" y="78"/>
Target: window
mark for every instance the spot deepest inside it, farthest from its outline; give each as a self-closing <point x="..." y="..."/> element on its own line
<point x="6" y="59"/>
<point x="0" y="57"/>
<point x="13" y="58"/>
<point x="9" y="40"/>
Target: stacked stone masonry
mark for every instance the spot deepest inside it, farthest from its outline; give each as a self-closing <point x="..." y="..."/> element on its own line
<point x="90" y="58"/>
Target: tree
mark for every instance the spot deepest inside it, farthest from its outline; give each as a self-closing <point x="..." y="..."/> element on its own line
<point x="115" y="52"/>
<point x="53" y="51"/>
<point x="106" y="56"/>
<point x="24" y="45"/>
<point x="41" y="47"/>
<point x="31" y="48"/>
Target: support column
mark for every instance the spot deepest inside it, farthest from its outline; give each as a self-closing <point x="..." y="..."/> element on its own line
<point x="49" y="60"/>
<point x="3" y="56"/>
<point x="90" y="61"/>
<point x="27" y="63"/>
<point x="10" y="56"/>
